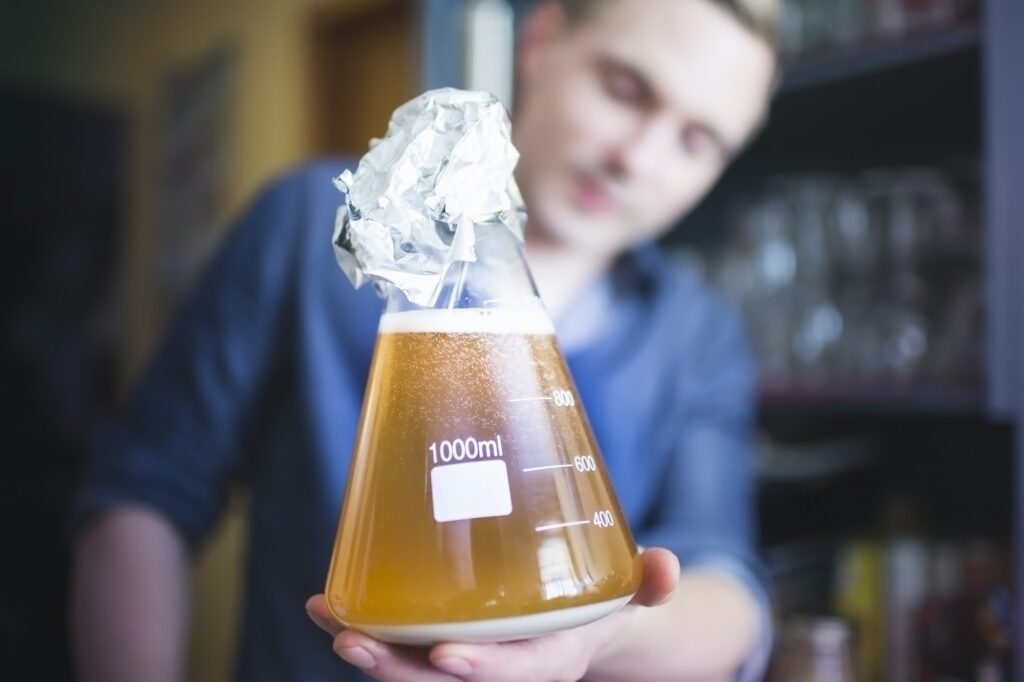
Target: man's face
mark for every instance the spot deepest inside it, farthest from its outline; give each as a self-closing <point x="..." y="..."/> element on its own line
<point x="627" y="119"/>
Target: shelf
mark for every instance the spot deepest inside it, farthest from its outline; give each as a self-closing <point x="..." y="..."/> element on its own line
<point x="877" y="57"/>
<point x="879" y="400"/>
<point x="783" y="465"/>
<point x="916" y="102"/>
<point x="804" y="416"/>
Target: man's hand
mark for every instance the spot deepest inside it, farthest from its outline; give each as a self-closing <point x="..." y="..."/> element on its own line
<point x="564" y="655"/>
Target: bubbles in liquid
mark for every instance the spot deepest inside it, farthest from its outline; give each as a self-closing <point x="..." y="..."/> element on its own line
<point x="476" y="489"/>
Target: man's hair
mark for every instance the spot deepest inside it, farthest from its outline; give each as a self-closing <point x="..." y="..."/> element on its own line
<point x="759" y="16"/>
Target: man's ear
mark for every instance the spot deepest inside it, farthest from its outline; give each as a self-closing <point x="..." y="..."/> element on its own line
<point x="541" y="28"/>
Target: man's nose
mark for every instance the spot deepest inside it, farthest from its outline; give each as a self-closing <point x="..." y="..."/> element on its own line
<point x="645" y="150"/>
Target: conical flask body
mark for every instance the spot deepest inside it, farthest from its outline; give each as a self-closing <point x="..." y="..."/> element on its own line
<point x="478" y="507"/>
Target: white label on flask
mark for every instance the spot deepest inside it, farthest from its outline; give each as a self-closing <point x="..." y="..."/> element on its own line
<point x="472" y="490"/>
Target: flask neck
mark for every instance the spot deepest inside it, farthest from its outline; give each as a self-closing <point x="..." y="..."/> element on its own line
<point x="498" y="278"/>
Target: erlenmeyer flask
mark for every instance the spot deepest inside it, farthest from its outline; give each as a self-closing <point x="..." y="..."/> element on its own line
<point x="478" y="507"/>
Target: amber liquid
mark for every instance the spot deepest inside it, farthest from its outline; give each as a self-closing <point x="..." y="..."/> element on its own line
<point x="512" y="394"/>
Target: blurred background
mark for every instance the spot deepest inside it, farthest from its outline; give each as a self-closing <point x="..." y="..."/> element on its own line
<point x="872" y="237"/>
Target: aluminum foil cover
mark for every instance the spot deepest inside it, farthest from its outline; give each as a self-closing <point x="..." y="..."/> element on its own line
<point x="419" y="197"/>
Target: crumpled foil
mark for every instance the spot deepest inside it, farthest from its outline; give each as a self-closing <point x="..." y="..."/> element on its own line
<point x="419" y="196"/>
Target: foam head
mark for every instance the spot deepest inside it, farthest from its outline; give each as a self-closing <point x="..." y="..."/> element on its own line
<point x="468" y="321"/>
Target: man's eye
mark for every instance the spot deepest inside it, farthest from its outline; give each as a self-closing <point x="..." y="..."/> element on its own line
<point x="698" y="141"/>
<point x="623" y="88"/>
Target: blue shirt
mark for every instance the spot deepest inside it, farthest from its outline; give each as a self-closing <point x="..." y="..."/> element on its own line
<point x="261" y="376"/>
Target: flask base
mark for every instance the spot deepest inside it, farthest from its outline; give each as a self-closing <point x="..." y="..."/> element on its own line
<point x="495" y="629"/>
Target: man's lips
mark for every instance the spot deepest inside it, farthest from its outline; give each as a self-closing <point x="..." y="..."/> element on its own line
<point x="591" y="195"/>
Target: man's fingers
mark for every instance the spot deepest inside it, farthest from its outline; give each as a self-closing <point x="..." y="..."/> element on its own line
<point x="316" y="607"/>
<point x="661" y="575"/>
<point x="388" y="662"/>
<point x="559" y="656"/>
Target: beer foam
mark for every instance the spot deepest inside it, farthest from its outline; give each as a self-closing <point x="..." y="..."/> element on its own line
<point x="469" y="321"/>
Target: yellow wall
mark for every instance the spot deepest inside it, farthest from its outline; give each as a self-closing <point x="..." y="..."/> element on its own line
<point x="118" y="53"/>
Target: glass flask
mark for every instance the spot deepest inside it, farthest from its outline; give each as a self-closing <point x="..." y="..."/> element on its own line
<point x="478" y="507"/>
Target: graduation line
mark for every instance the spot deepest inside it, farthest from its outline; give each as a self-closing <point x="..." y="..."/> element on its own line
<point x="550" y="466"/>
<point x="552" y="526"/>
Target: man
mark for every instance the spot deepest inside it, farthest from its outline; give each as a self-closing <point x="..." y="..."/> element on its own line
<point x="627" y="112"/>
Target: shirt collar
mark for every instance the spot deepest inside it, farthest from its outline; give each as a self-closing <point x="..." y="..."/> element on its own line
<point x="633" y="278"/>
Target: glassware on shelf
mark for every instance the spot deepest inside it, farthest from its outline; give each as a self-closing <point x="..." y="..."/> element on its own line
<point x="861" y="281"/>
<point x="815" y="650"/>
<point x="820" y="26"/>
